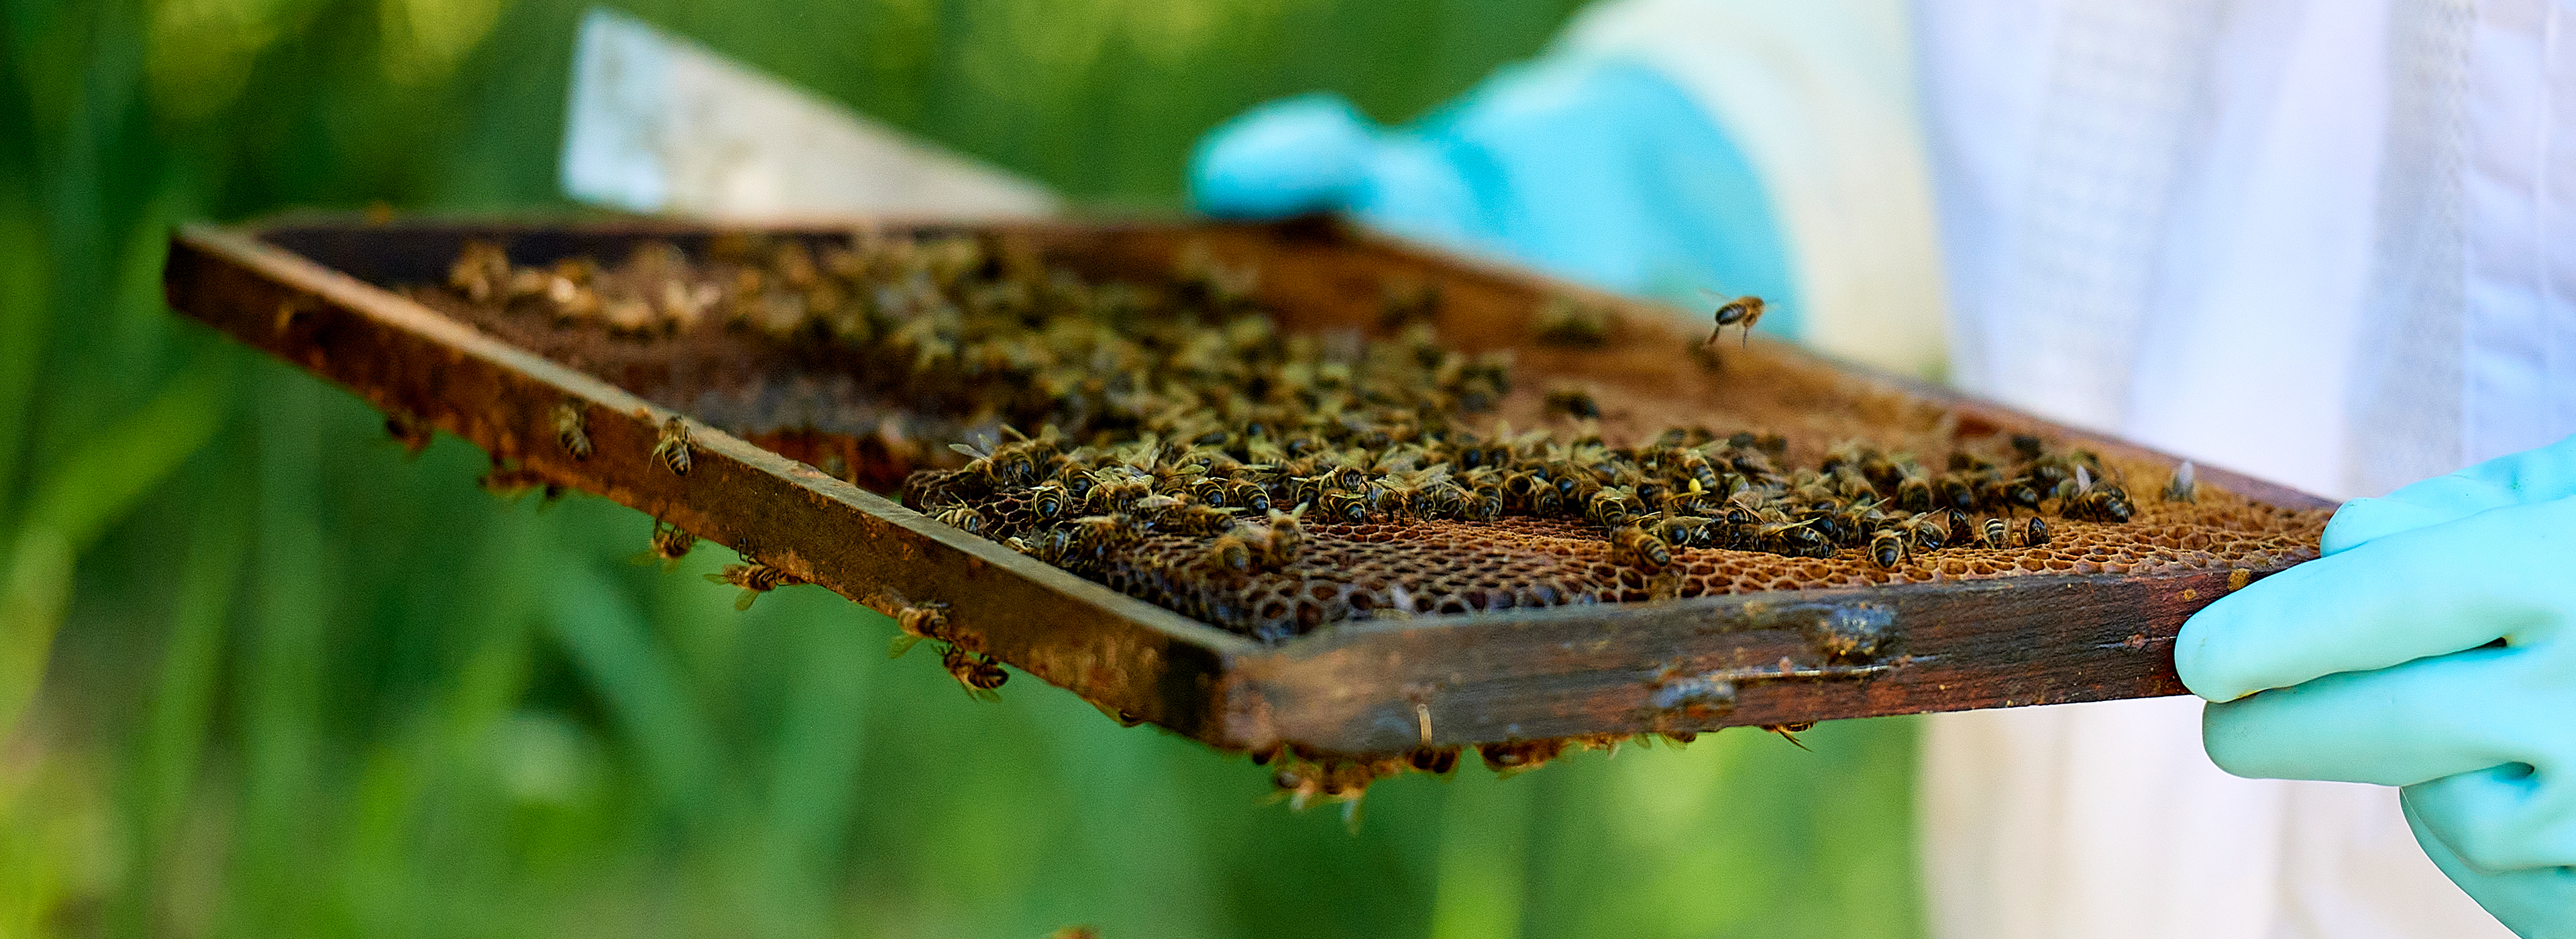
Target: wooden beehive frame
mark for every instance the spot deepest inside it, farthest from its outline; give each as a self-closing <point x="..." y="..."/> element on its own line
<point x="1356" y="689"/>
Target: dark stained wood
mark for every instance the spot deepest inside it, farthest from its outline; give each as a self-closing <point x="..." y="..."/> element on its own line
<point x="309" y="294"/>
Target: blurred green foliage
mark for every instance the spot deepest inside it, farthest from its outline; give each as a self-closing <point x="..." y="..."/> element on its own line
<point x="261" y="675"/>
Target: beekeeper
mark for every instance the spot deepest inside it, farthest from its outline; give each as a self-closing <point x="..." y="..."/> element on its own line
<point x="2329" y="242"/>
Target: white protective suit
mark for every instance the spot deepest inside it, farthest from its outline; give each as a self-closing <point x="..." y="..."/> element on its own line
<point x="2328" y="242"/>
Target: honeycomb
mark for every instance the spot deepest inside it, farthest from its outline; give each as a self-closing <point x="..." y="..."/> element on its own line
<point x="1194" y="451"/>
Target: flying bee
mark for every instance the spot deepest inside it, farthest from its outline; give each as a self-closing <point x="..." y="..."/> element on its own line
<point x="1741" y="311"/>
<point x="670" y="544"/>
<point x="2034" y="533"/>
<point x="976" y="671"/>
<point x="1998" y="532"/>
<point x="1632" y="546"/>
<point x="963" y="518"/>
<point x="572" y="430"/>
<point x="2185" y="486"/>
<point x="1572" y="401"/>
<point x="673" y="446"/>
<point x="755" y="579"/>
<point x="1888" y="548"/>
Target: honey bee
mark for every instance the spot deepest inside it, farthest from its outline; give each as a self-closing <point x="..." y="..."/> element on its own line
<point x="1572" y="401"/>
<point x="755" y="579"/>
<point x="1915" y="493"/>
<point x="2185" y="486"/>
<point x="1231" y="552"/>
<point x="1954" y="493"/>
<point x="1612" y="507"/>
<point x="1046" y="500"/>
<point x="1998" y="533"/>
<point x="1348" y="508"/>
<point x="1685" y="531"/>
<point x="1888" y="548"/>
<point x="1519" y="756"/>
<point x="916" y="624"/>
<point x="1248" y="495"/>
<point x="673" y="446"/>
<point x="2092" y="501"/>
<point x="975" y="671"/>
<point x="1632" y="546"/>
<point x="572" y="430"/>
<point x="670" y="544"/>
<point x="1779" y="535"/>
<point x="2034" y="533"/>
<point x="1926" y="534"/>
<point x="479" y="270"/>
<point x="1284" y="539"/>
<point x="1741" y="311"/>
<point x="963" y="518"/>
<point x="1790" y="732"/>
<point x="408" y="429"/>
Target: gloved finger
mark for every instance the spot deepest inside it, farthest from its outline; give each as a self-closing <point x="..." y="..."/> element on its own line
<point x="2399" y="726"/>
<point x="2534" y="903"/>
<point x="2424" y="592"/>
<point x="1309" y="153"/>
<point x="2523" y="478"/>
<point x="2501" y="819"/>
<point x="2362" y="521"/>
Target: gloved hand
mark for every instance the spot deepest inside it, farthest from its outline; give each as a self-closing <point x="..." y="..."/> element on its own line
<point x="2384" y="667"/>
<point x="1599" y="171"/>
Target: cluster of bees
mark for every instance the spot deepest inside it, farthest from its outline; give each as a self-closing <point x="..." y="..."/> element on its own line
<point x="1249" y="496"/>
<point x="1178" y="409"/>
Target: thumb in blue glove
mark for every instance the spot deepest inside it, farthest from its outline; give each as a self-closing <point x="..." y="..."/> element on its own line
<point x="2432" y="647"/>
<point x="1598" y="171"/>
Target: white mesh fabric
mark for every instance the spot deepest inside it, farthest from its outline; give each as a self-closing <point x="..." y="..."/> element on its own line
<point x="2406" y="384"/>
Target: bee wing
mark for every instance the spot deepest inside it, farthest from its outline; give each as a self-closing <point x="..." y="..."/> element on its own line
<point x="902" y="643"/>
<point x="744" y="602"/>
<point x="969" y="451"/>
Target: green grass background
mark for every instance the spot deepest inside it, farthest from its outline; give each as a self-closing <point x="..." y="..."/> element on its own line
<point x="262" y="676"/>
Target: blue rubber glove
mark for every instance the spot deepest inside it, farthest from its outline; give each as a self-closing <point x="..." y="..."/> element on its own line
<point x="1602" y="172"/>
<point x="2384" y="670"/>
